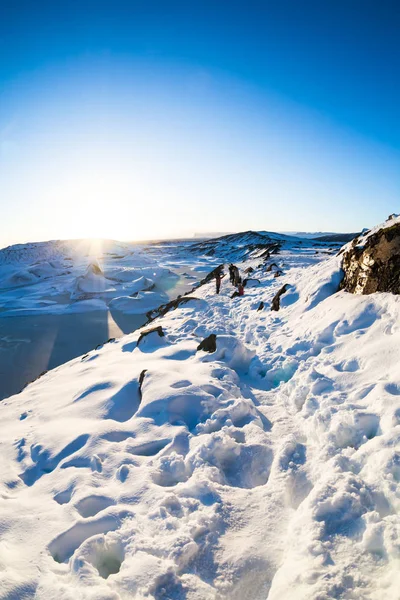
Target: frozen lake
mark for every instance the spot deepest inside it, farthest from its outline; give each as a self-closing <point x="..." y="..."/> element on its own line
<point x="32" y="344"/>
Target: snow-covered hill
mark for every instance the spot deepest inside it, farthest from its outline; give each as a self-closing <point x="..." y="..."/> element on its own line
<point x="266" y="469"/>
<point x="249" y="245"/>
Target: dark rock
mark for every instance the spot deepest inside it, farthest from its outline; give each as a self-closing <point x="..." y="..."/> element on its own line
<point x="164" y="308"/>
<point x="278" y="273"/>
<point x="141" y="379"/>
<point x="269" y="268"/>
<point x="261" y="306"/>
<point x="35" y="379"/>
<point x="251" y="282"/>
<point x="374" y="264"/>
<point x="276" y="302"/>
<point x="249" y="270"/>
<point x="210" y="276"/>
<point x="110" y="340"/>
<point x="143" y="334"/>
<point x="209" y="344"/>
<point x="277" y="248"/>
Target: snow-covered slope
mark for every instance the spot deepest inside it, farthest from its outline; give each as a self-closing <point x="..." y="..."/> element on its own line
<point x="249" y="245"/>
<point x="242" y="246"/>
<point x="267" y="469"/>
<point x="58" y="277"/>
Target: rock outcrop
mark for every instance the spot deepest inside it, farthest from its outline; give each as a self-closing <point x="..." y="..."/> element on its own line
<point x="141" y="379"/>
<point x="372" y="262"/>
<point x="250" y="282"/>
<point x="164" y="308"/>
<point x="158" y="330"/>
<point x="276" y="301"/>
<point x="209" y="344"/>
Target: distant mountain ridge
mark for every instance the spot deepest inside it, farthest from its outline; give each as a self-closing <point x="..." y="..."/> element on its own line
<point x="244" y="245"/>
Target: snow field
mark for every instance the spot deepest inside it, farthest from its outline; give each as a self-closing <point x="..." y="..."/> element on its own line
<point x="268" y="469"/>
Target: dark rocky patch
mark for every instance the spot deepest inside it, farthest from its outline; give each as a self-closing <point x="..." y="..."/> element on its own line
<point x="278" y="273"/>
<point x="36" y="378"/>
<point x="276" y="301"/>
<point x="336" y="237"/>
<point x="251" y="282"/>
<point x="164" y="308"/>
<point x="373" y="264"/>
<point x="209" y="344"/>
<point x="110" y="340"/>
<point x="143" y="334"/>
<point x="260" y="306"/>
<point x="269" y="268"/>
<point x="276" y="249"/>
<point x="141" y="379"/>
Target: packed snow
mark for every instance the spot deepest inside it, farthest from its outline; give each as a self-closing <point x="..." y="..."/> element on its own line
<point x="269" y="468"/>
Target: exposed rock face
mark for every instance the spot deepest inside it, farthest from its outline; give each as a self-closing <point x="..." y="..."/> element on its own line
<point x="270" y="267"/>
<point x="164" y="308"/>
<point x="158" y="330"/>
<point x="276" y="301"/>
<point x="141" y="379"/>
<point x="251" y="282"/>
<point x="209" y="344"/>
<point x="372" y="264"/>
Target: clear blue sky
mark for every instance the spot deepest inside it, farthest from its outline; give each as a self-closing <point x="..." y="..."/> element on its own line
<point x="143" y="119"/>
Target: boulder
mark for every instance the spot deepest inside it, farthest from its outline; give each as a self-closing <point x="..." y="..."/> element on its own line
<point x="276" y="301"/>
<point x="249" y="282"/>
<point x="158" y="330"/>
<point x="209" y="344"/>
<point x="372" y="262"/>
<point x="269" y="268"/>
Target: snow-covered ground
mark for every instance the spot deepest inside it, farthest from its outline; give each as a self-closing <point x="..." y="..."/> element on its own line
<point x="267" y="469"/>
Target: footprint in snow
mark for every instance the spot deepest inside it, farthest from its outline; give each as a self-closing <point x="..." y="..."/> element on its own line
<point x="122" y="473"/>
<point x="181" y="384"/>
<point x="393" y="389"/>
<point x="91" y="505"/>
<point x="96" y="463"/>
<point x="350" y="366"/>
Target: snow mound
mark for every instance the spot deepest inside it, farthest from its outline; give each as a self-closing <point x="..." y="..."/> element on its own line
<point x="231" y="351"/>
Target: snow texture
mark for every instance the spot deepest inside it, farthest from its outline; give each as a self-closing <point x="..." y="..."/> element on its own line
<point x="267" y="469"/>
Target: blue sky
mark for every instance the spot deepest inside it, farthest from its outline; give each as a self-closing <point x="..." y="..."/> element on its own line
<point x="149" y="119"/>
